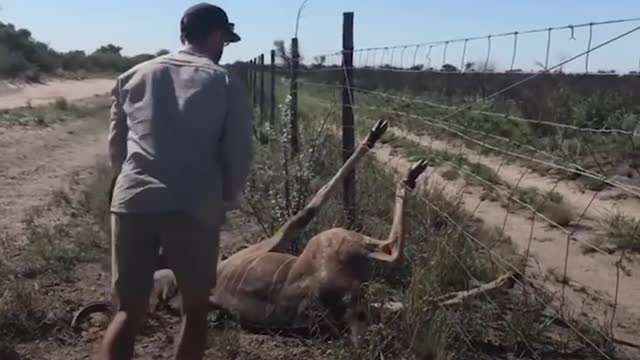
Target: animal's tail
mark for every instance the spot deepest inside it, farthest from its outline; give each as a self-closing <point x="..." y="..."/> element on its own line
<point x="91" y="308"/>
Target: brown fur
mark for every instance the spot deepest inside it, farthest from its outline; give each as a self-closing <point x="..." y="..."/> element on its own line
<point x="262" y="286"/>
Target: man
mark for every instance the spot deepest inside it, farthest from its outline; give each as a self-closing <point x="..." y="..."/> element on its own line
<point x="180" y="144"/>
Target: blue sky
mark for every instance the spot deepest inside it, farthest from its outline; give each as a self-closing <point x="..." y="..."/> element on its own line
<point x="146" y="25"/>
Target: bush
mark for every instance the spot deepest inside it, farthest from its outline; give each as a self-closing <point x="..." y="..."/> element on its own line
<point x="22" y="56"/>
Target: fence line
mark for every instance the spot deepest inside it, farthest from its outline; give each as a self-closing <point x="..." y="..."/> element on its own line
<point x="505" y="117"/>
<point x="575" y="168"/>
<point x="349" y="107"/>
<point x="497" y="35"/>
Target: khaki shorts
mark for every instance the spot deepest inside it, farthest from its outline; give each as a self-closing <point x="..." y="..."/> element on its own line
<point x="190" y="248"/>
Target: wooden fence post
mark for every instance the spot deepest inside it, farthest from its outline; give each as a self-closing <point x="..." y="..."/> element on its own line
<point x="348" y="129"/>
<point x="251" y="75"/>
<point x="262" y="95"/>
<point x="293" y="91"/>
<point x="255" y="82"/>
<point x="272" y="102"/>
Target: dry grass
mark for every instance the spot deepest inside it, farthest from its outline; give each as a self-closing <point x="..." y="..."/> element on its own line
<point x="551" y="205"/>
<point x="439" y="258"/>
<point x="60" y="236"/>
<point x="58" y="112"/>
<point x="38" y="265"/>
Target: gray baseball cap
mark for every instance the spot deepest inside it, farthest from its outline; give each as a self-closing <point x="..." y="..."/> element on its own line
<point x="202" y="18"/>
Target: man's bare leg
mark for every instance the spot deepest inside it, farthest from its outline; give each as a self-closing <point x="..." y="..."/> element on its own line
<point x="134" y="251"/>
<point x="193" y="334"/>
<point x="119" y="339"/>
<point x="192" y="254"/>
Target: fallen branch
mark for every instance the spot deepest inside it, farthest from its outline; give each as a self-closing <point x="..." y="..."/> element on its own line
<point x="504" y="281"/>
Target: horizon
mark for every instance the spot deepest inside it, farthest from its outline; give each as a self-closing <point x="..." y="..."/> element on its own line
<point x="321" y="30"/>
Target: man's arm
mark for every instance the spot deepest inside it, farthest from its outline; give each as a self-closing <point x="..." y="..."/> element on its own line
<point x="117" y="131"/>
<point x="237" y="147"/>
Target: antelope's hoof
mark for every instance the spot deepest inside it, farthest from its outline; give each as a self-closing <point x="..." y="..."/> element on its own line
<point x="415" y="171"/>
<point x="376" y="133"/>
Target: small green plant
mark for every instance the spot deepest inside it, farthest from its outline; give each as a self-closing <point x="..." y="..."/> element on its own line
<point x="61" y="104"/>
<point x="486" y="173"/>
<point x="550" y="205"/>
<point x="592" y="184"/>
<point x="623" y="231"/>
<point x="560" y="214"/>
<point x="451" y="174"/>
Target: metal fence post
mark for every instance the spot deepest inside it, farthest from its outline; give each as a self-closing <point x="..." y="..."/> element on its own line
<point x="262" y="95"/>
<point x="293" y="91"/>
<point x="255" y="82"/>
<point x="272" y="102"/>
<point x="348" y="130"/>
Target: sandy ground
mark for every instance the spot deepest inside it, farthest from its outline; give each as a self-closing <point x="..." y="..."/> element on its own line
<point x="36" y="160"/>
<point x="18" y="95"/>
<point x="605" y="202"/>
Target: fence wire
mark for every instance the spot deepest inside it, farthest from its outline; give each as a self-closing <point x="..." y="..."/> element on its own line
<point x="465" y="133"/>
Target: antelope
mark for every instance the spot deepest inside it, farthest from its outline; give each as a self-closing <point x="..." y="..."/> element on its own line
<point x="263" y="287"/>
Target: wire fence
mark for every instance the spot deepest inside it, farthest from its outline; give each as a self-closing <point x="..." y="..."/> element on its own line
<point x="546" y="157"/>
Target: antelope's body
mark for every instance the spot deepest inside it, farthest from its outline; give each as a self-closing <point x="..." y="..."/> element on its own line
<point x="262" y="286"/>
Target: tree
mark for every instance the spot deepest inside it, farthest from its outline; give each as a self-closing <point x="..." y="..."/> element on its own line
<point x="469" y="66"/>
<point x="74" y="60"/>
<point x="449" y="68"/>
<point x="282" y="52"/>
<point x="162" y="52"/>
<point x="23" y="56"/>
<point x="109" y="49"/>
<point x="319" y="61"/>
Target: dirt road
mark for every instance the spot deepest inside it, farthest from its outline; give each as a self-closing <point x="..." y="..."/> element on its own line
<point x="35" y="161"/>
<point x="14" y="96"/>
<point x="579" y="199"/>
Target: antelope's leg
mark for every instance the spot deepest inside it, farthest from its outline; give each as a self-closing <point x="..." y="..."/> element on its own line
<point x="300" y="220"/>
<point x="390" y="251"/>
